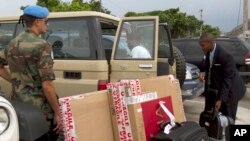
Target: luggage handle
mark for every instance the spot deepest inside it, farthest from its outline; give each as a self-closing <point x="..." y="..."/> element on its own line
<point x="168" y="127"/>
<point x="216" y="113"/>
<point x="216" y="92"/>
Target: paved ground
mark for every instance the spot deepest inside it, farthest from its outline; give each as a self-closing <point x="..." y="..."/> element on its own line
<point x="194" y="107"/>
<point x="247" y="96"/>
<point x="192" y="112"/>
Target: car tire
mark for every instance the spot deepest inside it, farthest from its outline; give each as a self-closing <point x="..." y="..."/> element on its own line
<point x="180" y="65"/>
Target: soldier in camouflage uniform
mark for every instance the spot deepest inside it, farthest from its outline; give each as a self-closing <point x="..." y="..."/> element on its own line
<point x="31" y="65"/>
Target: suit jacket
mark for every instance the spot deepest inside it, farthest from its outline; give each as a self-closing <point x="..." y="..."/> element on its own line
<point x="224" y="77"/>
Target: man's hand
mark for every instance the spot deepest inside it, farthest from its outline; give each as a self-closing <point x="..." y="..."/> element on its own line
<point x="217" y="105"/>
<point x="202" y="76"/>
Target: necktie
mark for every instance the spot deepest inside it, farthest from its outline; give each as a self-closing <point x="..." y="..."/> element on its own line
<point x="210" y="62"/>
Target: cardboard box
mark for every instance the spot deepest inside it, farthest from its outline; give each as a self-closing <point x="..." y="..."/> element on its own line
<point x="119" y="94"/>
<point x="135" y="103"/>
<point x="87" y="117"/>
<point x="164" y="86"/>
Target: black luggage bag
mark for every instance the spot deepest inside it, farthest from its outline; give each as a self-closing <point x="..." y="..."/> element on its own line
<point x="212" y="125"/>
<point x="215" y="123"/>
<point x="185" y="131"/>
<point x="175" y="131"/>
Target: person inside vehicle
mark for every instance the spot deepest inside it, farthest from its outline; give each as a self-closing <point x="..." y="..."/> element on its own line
<point x="31" y="67"/>
<point x="137" y="50"/>
<point x="57" y="49"/>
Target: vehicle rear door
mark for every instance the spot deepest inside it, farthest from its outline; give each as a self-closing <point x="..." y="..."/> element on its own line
<point x="124" y="64"/>
<point x="79" y="63"/>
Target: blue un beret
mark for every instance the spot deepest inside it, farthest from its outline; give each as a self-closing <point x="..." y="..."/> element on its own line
<point x="36" y="11"/>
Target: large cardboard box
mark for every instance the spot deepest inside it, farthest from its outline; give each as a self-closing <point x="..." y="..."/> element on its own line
<point x="86" y="117"/>
<point x="165" y="86"/>
<point x="135" y="110"/>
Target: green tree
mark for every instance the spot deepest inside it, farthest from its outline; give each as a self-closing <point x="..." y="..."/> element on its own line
<point x="74" y="5"/>
<point x="213" y="30"/>
<point x="50" y="4"/>
<point x="193" y="26"/>
<point x="96" y="6"/>
<point x="181" y="24"/>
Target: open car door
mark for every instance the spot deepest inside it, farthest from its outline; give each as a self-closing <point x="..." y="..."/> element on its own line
<point x="135" y="48"/>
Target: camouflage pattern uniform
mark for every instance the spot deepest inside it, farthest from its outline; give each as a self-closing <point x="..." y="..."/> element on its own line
<point x="30" y="63"/>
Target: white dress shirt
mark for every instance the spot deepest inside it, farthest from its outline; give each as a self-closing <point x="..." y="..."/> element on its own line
<point x="140" y="52"/>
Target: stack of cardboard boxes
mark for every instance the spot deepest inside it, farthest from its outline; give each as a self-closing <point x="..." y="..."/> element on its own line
<point x="128" y="111"/>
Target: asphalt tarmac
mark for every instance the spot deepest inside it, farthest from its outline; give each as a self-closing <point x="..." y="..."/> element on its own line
<point x="194" y="107"/>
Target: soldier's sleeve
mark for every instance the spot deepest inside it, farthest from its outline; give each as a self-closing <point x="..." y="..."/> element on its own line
<point x="45" y="64"/>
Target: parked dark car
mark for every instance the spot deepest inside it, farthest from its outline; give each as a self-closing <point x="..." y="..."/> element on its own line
<point x="240" y="50"/>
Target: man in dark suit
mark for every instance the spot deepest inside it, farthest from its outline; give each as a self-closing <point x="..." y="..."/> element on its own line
<point x="221" y="76"/>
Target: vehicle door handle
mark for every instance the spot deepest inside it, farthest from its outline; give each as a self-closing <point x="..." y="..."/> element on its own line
<point x="146" y="66"/>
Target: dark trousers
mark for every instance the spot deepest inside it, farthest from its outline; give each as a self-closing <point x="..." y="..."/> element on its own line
<point x="227" y="110"/>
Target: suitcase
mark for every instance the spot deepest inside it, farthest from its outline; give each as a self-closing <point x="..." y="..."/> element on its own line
<point x="185" y="131"/>
<point x="215" y="123"/>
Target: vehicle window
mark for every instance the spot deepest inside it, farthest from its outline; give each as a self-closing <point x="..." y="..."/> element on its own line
<point x="108" y="41"/>
<point x="69" y="39"/>
<point x="180" y="45"/>
<point x="164" y="47"/>
<point x="6" y="33"/>
<point x="192" y="47"/>
<point x="20" y="28"/>
<point x="233" y="47"/>
<point x="136" y="40"/>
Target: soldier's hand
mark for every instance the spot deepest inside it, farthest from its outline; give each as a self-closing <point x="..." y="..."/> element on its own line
<point x="59" y="126"/>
